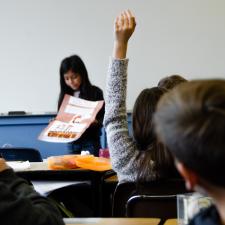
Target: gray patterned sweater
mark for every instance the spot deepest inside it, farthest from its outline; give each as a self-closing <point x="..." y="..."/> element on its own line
<point x="123" y="150"/>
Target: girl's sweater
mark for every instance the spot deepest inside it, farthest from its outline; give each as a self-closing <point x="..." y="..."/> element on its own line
<point x="123" y="149"/>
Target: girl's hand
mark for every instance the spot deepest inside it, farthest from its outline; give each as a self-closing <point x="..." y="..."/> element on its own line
<point x="123" y="29"/>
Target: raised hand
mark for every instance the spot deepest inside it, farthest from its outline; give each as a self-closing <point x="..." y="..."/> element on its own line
<point x="123" y="29"/>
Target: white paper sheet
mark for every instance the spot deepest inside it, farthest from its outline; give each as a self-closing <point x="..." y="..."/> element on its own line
<point x="46" y="187"/>
<point x="19" y="165"/>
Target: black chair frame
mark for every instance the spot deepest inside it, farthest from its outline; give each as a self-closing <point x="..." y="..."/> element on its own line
<point x="125" y="191"/>
<point x="158" y="206"/>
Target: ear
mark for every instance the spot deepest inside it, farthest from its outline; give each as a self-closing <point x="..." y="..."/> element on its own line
<point x="190" y="177"/>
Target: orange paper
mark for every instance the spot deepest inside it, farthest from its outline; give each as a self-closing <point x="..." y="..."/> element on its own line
<point x="79" y="161"/>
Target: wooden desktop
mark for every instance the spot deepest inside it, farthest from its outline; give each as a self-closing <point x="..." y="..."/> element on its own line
<point x="112" y="221"/>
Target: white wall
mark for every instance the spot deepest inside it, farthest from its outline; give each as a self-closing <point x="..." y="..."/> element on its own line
<point x="185" y="37"/>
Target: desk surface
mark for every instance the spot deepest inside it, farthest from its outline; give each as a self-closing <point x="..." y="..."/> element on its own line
<point x="113" y="178"/>
<point x="171" y="222"/>
<point x="112" y="221"/>
<point x="39" y="172"/>
<point x="38" y="166"/>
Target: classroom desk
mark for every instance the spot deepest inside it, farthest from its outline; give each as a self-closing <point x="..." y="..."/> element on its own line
<point x="112" y="221"/>
<point x="39" y="172"/>
<point x="112" y="178"/>
<point x="171" y="222"/>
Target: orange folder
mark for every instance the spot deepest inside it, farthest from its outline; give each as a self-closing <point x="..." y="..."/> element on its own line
<point x="90" y="162"/>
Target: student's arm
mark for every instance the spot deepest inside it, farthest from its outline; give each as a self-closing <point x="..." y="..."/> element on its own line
<point x="20" y="204"/>
<point x="122" y="148"/>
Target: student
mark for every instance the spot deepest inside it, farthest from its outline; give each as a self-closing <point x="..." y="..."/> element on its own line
<point x="74" y="81"/>
<point x="170" y="82"/>
<point x="141" y="158"/>
<point x="20" y="204"/>
<point x="190" y="120"/>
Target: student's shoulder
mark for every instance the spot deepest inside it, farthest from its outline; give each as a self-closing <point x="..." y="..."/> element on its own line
<point x="7" y="174"/>
<point x="209" y="214"/>
<point x="97" y="89"/>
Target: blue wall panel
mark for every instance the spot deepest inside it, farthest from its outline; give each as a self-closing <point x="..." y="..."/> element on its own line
<point x="23" y="131"/>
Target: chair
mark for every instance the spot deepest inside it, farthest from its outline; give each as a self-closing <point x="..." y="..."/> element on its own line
<point x="108" y="185"/>
<point x="82" y="204"/>
<point x="160" y="206"/>
<point x="21" y="154"/>
<point x="125" y="191"/>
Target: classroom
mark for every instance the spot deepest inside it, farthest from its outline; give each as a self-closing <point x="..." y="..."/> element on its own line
<point x="173" y="37"/>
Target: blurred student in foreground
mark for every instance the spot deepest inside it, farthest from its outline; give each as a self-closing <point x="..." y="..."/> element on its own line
<point x="190" y="121"/>
<point x="20" y="204"/>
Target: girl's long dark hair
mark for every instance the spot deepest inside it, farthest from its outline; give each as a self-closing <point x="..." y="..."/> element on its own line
<point x="153" y="157"/>
<point x="76" y="65"/>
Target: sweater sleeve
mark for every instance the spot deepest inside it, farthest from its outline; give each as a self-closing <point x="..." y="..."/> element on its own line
<point x="121" y="146"/>
<point x="21" y="204"/>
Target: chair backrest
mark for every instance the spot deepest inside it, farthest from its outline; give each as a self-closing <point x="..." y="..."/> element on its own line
<point x="21" y="154"/>
<point x="124" y="191"/>
<point x="160" y="206"/>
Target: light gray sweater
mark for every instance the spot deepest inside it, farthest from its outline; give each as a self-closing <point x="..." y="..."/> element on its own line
<point x="123" y="149"/>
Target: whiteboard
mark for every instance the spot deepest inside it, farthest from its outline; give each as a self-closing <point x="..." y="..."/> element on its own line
<point x="185" y="37"/>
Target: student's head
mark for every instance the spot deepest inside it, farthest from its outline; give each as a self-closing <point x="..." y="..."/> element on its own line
<point x="143" y="111"/>
<point x="143" y="132"/>
<point x="170" y="82"/>
<point x="190" y="121"/>
<point x="73" y="73"/>
<point x="73" y="76"/>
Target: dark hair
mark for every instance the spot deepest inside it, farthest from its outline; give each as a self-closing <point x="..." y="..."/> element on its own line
<point x="190" y="121"/>
<point x="151" y="151"/>
<point x="171" y="81"/>
<point x="76" y="65"/>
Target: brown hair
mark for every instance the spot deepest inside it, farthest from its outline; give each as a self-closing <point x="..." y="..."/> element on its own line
<point x="190" y="121"/>
<point x="171" y="81"/>
<point x="153" y="158"/>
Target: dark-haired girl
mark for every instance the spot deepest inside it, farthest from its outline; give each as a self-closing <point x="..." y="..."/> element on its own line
<point x="74" y="81"/>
